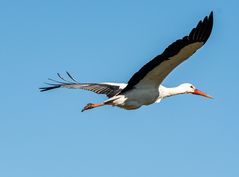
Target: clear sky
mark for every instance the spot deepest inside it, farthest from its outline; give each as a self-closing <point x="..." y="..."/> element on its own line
<point x="46" y="135"/>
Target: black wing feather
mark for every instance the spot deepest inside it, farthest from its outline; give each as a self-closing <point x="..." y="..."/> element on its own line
<point x="109" y="90"/>
<point x="199" y="34"/>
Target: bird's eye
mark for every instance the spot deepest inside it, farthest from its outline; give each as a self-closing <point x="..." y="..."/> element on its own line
<point x="191" y="86"/>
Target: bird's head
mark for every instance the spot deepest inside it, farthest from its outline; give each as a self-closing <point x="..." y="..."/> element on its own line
<point x="189" y="88"/>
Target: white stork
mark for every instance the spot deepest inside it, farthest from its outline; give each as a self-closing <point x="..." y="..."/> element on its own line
<point x="144" y="87"/>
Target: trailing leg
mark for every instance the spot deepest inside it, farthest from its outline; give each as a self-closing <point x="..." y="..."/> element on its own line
<point x="91" y="106"/>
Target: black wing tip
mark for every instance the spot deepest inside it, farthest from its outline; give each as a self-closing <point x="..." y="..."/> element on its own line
<point x="43" y="89"/>
<point x="209" y="25"/>
<point x="210" y="17"/>
<point x="202" y="31"/>
<point x="211" y="14"/>
<point x="59" y="84"/>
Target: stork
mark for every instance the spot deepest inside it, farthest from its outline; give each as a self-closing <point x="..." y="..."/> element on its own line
<point x="144" y="87"/>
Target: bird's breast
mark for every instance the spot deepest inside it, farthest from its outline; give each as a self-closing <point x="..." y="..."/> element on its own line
<point x="136" y="98"/>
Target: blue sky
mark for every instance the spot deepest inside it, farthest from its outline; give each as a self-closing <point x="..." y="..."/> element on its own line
<point x="46" y="135"/>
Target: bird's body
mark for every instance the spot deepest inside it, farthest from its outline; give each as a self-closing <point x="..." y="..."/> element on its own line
<point x="144" y="87"/>
<point x="134" y="99"/>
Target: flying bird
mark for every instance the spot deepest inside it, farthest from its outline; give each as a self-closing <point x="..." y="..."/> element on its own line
<point x="144" y="87"/>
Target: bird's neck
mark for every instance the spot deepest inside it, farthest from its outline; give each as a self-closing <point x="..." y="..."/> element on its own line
<point x="167" y="92"/>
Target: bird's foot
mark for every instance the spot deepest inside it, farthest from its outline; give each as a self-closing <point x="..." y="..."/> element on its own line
<point x="91" y="106"/>
<point x="88" y="106"/>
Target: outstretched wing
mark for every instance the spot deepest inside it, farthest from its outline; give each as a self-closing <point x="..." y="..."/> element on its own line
<point x="109" y="89"/>
<point x="154" y="72"/>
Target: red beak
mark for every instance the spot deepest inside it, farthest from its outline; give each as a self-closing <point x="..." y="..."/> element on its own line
<point x="198" y="92"/>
